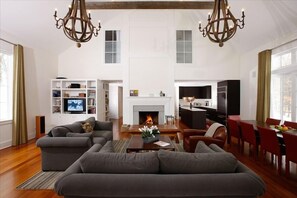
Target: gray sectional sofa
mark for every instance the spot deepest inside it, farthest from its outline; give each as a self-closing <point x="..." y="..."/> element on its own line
<point x="63" y="145"/>
<point x="210" y="172"/>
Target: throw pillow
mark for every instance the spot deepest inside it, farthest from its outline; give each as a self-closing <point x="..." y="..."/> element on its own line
<point x="87" y="127"/>
<point x="91" y="120"/>
<point x="120" y="163"/>
<point x="201" y="147"/>
<point x="195" y="163"/>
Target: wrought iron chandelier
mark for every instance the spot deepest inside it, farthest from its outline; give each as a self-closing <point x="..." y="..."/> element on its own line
<point x="77" y="24"/>
<point x="222" y="25"/>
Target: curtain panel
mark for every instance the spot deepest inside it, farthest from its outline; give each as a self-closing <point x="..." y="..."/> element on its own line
<point x="263" y="94"/>
<point x="19" y="126"/>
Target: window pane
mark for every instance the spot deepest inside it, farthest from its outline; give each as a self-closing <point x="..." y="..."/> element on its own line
<point x="180" y="58"/>
<point x="286" y="59"/>
<point x="179" y="35"/>
<point x="188" y="35"/>
<point x="275" y="63"/>
<point x="108" y="35"/>
<point x="188" y="47"/>
<point x="180" y="48"/>
<point x="6" y="76"/>
<point x="108" y="46"/>
<point x="188" y="58"/>
<point x="108" y="58"/>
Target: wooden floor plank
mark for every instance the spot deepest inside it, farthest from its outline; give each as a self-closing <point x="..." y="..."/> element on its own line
<point x="17" y="164"/>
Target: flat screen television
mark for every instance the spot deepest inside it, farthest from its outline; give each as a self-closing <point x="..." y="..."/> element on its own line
<point x="74" y="105"/>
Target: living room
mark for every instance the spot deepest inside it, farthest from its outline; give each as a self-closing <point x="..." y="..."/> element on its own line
<point x="147" y="52"/>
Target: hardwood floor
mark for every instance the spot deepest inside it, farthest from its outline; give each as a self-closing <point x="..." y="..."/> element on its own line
<point x="17" y="164"/>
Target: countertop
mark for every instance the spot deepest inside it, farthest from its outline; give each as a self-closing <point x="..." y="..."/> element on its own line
<point x="209" y="107"/>
<point x="193" y="109"/>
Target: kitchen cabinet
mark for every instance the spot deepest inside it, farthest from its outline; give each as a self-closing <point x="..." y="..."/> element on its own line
<point x="228" y="99"/>
<point x="194" y="118"/>
<point x="198" y="92"/>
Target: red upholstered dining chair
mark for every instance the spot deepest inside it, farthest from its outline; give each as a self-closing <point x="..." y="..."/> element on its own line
<point x="272" y="121"/>
<point x="291" y="148"/>
<point x="248" y="135"/>
<point x="291" y="124"/>
<point x="270" y="143"/>
<point x="215" y="134"/>
<point x="233" y="130"/>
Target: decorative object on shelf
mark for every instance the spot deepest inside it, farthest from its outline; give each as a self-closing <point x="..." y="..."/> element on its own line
<point x="149" y="134"/>
<point x="77" y="25"/>
<point x="222" y="25"/>
<point x="134" y="92"/>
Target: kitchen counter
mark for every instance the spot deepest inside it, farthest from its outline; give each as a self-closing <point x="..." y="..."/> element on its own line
<point x="207" y="107"/>
<point x="192" y="109"/>
<point x="194" y="118"/>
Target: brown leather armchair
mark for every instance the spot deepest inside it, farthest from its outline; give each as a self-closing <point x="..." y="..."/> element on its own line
<point x="192" y="136"/>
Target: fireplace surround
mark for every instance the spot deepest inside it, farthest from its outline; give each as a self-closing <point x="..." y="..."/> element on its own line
<point x="146" y="109"/>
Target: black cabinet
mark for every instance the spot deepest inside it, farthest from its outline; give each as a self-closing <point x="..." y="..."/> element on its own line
<point x="228" y="99"/>
<point x="198" y="92"/>
<point x="193" y="118"/>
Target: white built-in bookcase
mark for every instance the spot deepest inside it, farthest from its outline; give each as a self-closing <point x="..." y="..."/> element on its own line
<point x="90" y="90"/>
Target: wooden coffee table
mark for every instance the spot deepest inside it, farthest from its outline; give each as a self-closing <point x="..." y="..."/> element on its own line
<point x="136" y="145"/>
<point x="167" y="130"/>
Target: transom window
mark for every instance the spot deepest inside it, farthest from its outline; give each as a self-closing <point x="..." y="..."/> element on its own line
<point x="183" y="46"/>
<point x="112" y="46"/>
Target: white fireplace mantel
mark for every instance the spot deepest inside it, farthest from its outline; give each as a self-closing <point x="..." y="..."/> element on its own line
<point x="148" y="101"/>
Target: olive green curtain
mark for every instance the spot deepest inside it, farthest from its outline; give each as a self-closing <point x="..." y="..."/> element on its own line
<point x="19" y="126"/>
<point x="264" y="76"/>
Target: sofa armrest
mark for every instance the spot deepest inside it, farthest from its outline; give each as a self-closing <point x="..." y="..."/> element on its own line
<point x="46" y="142"/>
<point x="103" y="125"/>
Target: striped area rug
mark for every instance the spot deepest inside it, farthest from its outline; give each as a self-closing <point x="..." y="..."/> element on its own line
<point x="46" y="180"/>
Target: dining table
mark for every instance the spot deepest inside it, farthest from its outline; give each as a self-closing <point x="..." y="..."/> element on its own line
<point x="279" y="133"/>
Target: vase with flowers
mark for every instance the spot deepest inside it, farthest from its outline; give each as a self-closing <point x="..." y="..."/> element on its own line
<point x="149" y="134"/>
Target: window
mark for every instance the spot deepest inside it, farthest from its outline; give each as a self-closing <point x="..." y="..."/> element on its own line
<point x="112" y="46"/>
<point x="6" y="86"/>
<point x="183" y="46"/>
<point x="283" y="94"/>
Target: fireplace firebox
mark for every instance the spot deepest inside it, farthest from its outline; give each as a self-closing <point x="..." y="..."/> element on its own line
<point x="148" y="117"/>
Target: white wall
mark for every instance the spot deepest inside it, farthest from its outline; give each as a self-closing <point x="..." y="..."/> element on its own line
<point x="148" y="60"/>
<point x="40" y="67"/>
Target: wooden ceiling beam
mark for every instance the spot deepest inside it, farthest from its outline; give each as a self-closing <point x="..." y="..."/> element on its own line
<point x="150" y="5"/>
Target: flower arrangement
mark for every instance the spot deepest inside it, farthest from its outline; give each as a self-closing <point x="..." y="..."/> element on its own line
<point x="147" y="132"/>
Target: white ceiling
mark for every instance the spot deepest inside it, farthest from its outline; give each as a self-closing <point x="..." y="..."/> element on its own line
<point x="32" y="22"/>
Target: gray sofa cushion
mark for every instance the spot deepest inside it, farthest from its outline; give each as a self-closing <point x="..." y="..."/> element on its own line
<point x="61" y="131"/>
<point x="106" y="134"/>
<point x="194" y="163"/>
<point x="201" y="147"/>
<point x="70" y="134"/>
<point x="116" y="163"/>
<point x="107" y="148"/>
<point x="99" y="140"/>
